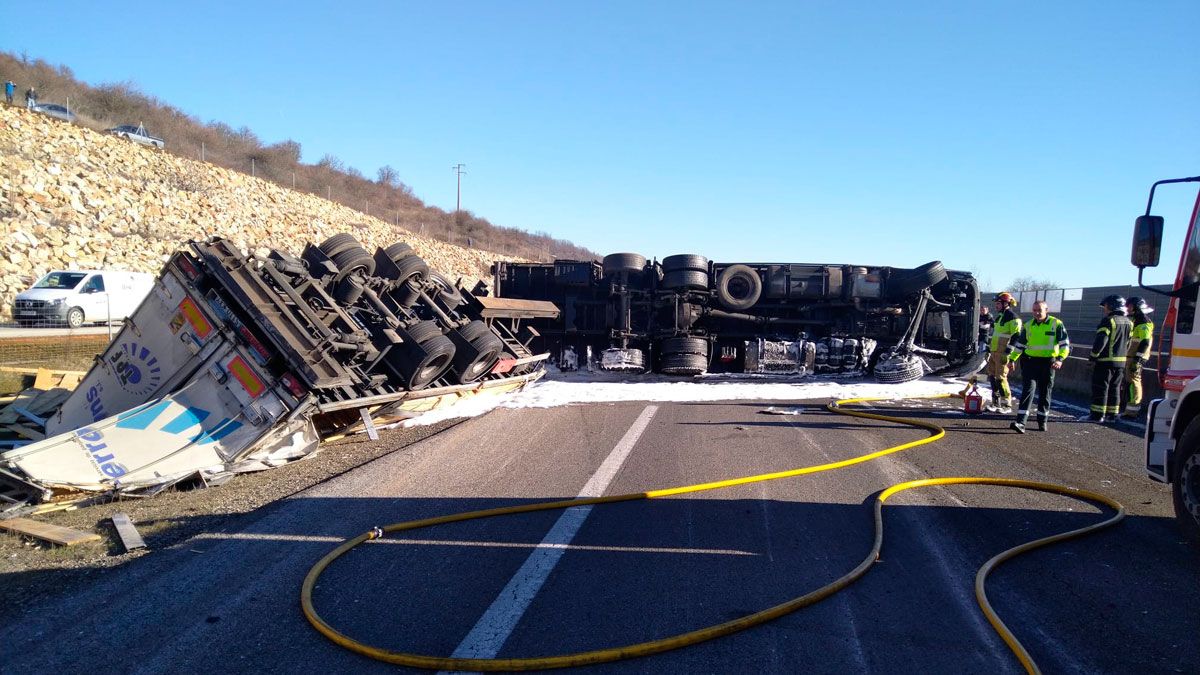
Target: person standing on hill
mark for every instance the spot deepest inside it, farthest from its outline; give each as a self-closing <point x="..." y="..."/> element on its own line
<point x="1108" y="357"/>
<point x="1140" y="341"/>
<point x="1005" y="328"/>
<point x="30" y="98"/>
<point x="10" y="88"/>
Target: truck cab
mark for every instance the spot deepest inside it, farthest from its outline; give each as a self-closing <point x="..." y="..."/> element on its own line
<point x="1172" y="440"/>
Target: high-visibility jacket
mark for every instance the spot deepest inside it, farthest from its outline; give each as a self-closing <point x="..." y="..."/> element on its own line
<point x="1142" y="336"/>
<point x="1004" y="330"/>
<point x="1042" y="339"/>
<point x="1112" y="339"/>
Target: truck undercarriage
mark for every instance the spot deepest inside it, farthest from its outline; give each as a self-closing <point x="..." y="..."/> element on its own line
<point x="687" y="315"/>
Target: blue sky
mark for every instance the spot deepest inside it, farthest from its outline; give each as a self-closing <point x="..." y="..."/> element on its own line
<point x="1013" y="139"/>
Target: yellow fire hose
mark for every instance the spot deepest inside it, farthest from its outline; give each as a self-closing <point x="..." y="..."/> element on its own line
<point x="728" y="627"/>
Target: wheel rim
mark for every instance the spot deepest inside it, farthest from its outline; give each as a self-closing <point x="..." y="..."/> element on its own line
<point x="1190" y="485"/>
<point x="739" y="288"/>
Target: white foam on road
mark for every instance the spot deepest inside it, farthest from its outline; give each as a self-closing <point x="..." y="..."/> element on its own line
<point x="560" y="389"/>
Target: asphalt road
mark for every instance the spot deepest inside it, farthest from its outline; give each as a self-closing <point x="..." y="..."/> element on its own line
<point x="1125" y="600"/>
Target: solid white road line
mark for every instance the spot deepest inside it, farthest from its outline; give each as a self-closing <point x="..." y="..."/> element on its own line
<point x="494" y="627"/>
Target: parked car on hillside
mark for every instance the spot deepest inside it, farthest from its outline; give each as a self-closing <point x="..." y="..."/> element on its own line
<point x="138" y="134"/>
<point x="62" y="112"/>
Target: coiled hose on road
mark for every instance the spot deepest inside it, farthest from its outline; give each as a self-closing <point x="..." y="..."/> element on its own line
<point x="739" y="624"/>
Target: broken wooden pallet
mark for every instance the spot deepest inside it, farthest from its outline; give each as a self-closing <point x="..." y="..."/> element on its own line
<point x="54" y="534"/>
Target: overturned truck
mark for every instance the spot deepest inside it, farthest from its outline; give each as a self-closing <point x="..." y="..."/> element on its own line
<point x="237" y="363"/>
<point x="687" y="315"/>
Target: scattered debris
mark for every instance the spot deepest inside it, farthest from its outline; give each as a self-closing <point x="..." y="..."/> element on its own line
<point x="127" y="532"/>
<point x="55" y="534"/>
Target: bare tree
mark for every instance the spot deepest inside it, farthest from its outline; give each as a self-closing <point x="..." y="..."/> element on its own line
<point x="388" y="176"/>
<point x="1030" y="284"/>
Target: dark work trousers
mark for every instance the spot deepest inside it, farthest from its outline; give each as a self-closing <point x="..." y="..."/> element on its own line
<point x="1106" y="388"/>
<point x="1035" y="373"/>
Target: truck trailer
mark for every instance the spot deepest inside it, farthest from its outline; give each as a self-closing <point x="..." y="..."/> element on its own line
<point x="237" y="363"/>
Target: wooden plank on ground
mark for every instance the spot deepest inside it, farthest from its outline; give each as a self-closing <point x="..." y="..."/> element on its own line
<point x="44" y="379"/>
<point x="128" y="533"/>
<point x="54" y="534"/>
<point x="48" y="401"/>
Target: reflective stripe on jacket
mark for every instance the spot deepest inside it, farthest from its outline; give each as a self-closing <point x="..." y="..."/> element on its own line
<point x="1112" y="339"/>
<point x="1143" y="336"/>
<point x="1042" y="339"/>
<point x="1004" y="330"/>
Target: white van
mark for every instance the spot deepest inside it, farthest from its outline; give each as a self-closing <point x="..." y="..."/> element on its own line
<point x="73" y="297"/>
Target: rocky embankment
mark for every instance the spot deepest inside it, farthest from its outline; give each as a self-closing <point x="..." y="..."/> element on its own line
<point x="73" y="198"/>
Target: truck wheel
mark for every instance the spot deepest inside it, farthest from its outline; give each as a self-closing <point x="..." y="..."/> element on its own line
<point x="684" y="364"/>
<point x="488" y="347"/>
<point x="971" y="366"/>
<point x="685" y="261"/>
<point x="352" y="259"/>
<point x="616" y="263"/>
<point x="424" y="331"/>
<point x="75" y="317"/>
<point x="407" y="269"/>
<point x="474" y="330"/>
<point x="905" y="283"/>
<point x="684" y="345"/>
<point x="692" y="279"/>
<point x="1185" y="484"/>
<point x="738" y="287"/>
<point x="446" y="290"/>
<point x="895" y="368"/>
<point x="420" y="364"/>
<point x="339" y="242"/>
<point x="398" y="251"/>
<point x="618" y="360"/>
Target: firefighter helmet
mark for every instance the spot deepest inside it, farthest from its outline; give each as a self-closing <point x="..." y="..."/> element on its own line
<point x="1006" y="298"/>
<point x="1113" y="303"/>
<point x="1138" y="304"/>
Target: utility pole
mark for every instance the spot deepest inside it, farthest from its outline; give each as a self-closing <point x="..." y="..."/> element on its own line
<point x="458" y="169"/>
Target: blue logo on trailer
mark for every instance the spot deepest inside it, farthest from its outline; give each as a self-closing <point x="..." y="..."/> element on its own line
<point x="144" y="416"/>
<point x="93" y="442"/>
<point x="136" y="368"/>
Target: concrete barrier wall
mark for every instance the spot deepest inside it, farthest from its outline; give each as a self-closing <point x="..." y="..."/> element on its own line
<point x="1076" y="376"/>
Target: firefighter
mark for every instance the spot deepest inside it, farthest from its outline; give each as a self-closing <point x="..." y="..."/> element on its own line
<point x="1108" y="357"/>
<point x="1140" y="341"/>
<point x="1005" y="327"/>
<point x="1042" y="346"/>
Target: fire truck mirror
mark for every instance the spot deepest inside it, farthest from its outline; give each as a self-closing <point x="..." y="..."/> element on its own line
<point x="1147" y="241"/>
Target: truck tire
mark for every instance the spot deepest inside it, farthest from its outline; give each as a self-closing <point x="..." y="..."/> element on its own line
<point x="398" y="251"/>
<point x="897" y="369"/>
<point x="75" y="317"/>
<point x="424" y="331"/>
<point x="902" y="284"/>
<point x="684" y="345"/>
<point x="971" y="366"/>
<point x="474" y="330"/>
<point x="687" y="279"/>
<point x="338" y="243"/>
<point x="683" y="364"/>
<point x="446" y="290"/>
<point x="685" y="261"/>
<point x="738" y="287"/>
<point x="420" y="364"/>
<point x="1185" y="483"/>
<point x="468" y="368"/>
<point x="407" y="268"/>
<point x="351" y="260"/>
<point x="615" y="263"/>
